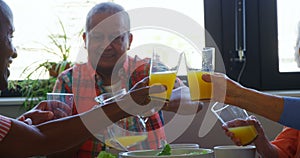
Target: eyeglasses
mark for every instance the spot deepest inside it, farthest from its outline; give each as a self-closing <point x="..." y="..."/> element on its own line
<point x="113" y="39"/>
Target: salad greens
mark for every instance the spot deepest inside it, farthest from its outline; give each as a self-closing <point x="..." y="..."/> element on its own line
<point x="104" y="154"/>
<point x="198" y="152"/>
<point x="165" y="151"/>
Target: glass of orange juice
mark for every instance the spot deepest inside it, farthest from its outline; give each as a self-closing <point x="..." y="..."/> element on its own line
<point x="224" y="112"/>
<point x="126" y="134"/>
<point x="163" y="71"/>
<point x="198" y="64"/>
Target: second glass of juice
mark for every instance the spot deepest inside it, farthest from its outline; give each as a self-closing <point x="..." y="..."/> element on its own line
<point x="163" y="71"/>
<point x="224" y="112"/>
<point x="198" y="64"/>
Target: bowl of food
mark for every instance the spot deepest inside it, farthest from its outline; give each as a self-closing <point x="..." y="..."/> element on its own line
<point x="167" y="152"/>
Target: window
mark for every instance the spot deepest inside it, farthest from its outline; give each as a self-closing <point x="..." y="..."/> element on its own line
<point x="35" y="20"/>
<point x="288" y="35"/>
<point x="274" y="44"/>
<point x="271" y="33"/>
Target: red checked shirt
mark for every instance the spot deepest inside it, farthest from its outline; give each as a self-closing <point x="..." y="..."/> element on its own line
<point x="85" y="84"/>
<point x="5" y="124"/>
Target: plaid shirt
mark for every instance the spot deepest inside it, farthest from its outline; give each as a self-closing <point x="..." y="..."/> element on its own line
<point x="5" y="124"/>
<point x="85" y="84"/>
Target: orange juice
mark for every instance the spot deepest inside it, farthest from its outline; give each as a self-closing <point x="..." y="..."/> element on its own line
<point x="128" y="141"/>
<point x="199" y="89"/>
<point x="164" y="78"/>
<point x="245" y="133"/>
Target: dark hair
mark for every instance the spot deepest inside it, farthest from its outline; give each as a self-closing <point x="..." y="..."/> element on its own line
<point x="106" y="7"/>
<point x="5" y="15"/>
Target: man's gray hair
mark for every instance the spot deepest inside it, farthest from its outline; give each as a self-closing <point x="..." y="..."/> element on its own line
<point x="107" y="8"/>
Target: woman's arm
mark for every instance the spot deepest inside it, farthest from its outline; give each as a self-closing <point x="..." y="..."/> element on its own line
<point x="230" y="92"/>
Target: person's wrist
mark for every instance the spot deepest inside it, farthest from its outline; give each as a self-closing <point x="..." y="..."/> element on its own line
<point x="260" y="139"/>
<point x="114" y="112"/>
<point x="121" y="112"/>
<point x="240" y="97"/>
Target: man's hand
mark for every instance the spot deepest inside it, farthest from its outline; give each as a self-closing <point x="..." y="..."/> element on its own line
<point x="181" y="103"/>
<point x="37" y="115"/>
<point x="45" y="111"/>
<point x="138" y="102"/>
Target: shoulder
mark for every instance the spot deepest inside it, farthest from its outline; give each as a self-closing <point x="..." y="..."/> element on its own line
<point x="137" y="59"/>
<point x="66" y="76"/>
<point x="66" y="72"/>
<point x="5" y="124"/>
<point x="75" y="68"/>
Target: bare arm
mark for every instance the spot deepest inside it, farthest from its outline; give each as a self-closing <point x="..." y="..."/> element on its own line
<point x="269" y="106"/>
<point x="181" y="103"/>
<point x="265" y="148"/>
<point x="24" y="140"/>
<point x="230" y="92"/>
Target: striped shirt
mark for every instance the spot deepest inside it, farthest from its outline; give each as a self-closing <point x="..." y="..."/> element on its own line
<point x="85" y="84"/>
<point x="5" y="124"/>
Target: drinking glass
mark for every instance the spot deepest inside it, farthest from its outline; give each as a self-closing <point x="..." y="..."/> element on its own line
<point x="60" y="110"/>
<point x="126" y="133"/>
<point x="198" y="64"/>
<point x="109" y="97"/>
<point x="163" y="71"/>
<point x="225" y="113"/>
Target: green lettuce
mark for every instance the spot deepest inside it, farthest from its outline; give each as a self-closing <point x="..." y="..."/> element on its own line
<point x="165" y="151"/>
<point x="104" y="154"/>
